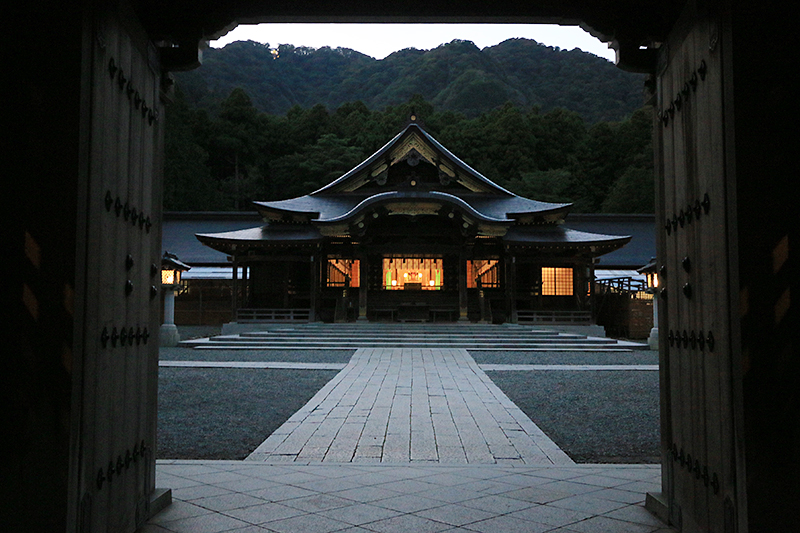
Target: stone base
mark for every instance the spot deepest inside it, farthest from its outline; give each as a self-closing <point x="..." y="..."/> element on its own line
<point x="160" y="499"/>
<point x="652" y="340"/>
<point x="169" y="335"/>
<point x="657" y="505"/>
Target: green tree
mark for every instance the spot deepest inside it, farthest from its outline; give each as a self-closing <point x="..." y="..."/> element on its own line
<point x="544" y="185"/>
<point x="633" y="192"/>
<point x="354" y="122"/>
<point x="560" y="133"/>
<point x="236" y="139"/>
<point x="499" y="144"/>
<point x="188" y="184"/>
<point x="317" y="165"/>
<point x="239" y="155"/>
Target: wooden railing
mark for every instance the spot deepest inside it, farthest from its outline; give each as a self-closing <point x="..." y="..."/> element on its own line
<point x="553" y="317"/>
<point x="621" y="285"/>
<point x="273" y="315"/>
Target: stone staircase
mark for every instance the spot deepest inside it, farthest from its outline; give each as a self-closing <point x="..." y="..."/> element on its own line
<point x="377" y="335"/>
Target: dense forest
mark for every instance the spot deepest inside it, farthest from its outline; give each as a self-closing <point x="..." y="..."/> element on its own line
<point x="222" y="154"/>
<point x="457" y="76"/>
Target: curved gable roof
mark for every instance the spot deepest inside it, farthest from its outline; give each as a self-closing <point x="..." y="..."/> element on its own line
<point x="464" y="174"/>
<point x="343" y="196"/>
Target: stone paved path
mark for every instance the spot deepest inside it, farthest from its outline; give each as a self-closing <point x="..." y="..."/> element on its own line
<point x="406" y="405"/>
<point x="252" y="497"/>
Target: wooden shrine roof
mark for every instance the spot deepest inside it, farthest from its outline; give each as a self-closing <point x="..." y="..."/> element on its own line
<point x="180" y="230"/>
<point x="458" y="186"/>
<point x="412" y="175"/>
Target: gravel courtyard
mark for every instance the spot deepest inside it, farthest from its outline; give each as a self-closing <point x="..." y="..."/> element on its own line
<point x="225" y="413"/>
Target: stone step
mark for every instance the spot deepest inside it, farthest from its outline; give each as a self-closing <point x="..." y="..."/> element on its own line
<point x="496" y="344"/>
<point x="523" y="348"/>
<point x="351" y="336"/>
<point x="393" y="343"/>
<point x="408" y="342"/>
<point x="361" y="335"/>
<point x="401" y="337"/>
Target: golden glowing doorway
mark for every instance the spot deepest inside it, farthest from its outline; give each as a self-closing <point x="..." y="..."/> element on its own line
<point x="412" y="273"/>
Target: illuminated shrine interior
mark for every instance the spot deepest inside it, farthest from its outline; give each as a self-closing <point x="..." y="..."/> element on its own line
<point x="415" y="273"/>
<point x="412" y="273"/>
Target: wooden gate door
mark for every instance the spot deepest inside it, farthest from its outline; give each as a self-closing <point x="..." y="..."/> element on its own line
<point x="112" y="478"/>
<point x="694" y="198"/>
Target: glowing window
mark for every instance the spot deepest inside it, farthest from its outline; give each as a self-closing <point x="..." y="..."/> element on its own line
<point x="412" y="273"/>
<point x="343" y="273"/>
<point x="556" y="281"/>
<point x="485" y="270"/>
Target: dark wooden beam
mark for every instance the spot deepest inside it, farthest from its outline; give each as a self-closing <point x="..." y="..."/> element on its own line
<point x="630" y="23"/>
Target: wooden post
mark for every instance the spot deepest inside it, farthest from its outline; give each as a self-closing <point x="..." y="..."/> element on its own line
<point x="313" y="288"/>
<point x="363" y="272"/>
<point x="462" y="287"/>
<point x="234" y="288"/>
<point x="245" y="285"/>
<point x="481" y="301"/>
<point x="287" y="267"/>
<point x="592" y="308"/>
<point x="510" y="281"/>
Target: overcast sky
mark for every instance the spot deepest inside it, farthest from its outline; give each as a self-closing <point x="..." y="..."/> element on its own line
<point x="380" y="40"/>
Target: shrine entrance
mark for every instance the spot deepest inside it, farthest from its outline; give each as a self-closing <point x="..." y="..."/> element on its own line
<point x="412" y="273"/>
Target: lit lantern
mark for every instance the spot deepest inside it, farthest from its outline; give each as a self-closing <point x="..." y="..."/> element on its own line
<point x="651" y="277"/>
<point x="171" y="268"/>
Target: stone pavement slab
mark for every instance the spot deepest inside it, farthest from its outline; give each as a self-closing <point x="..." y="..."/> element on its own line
<point x="400" y="405"/>
<point x="406" y="497"/>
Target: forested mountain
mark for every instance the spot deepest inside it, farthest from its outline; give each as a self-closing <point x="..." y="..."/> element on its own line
<point x="260" y="124"/>
<point x="226" y="159"/>
<point x="457" y="77"/>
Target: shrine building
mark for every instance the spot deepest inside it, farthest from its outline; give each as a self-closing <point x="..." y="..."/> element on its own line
<point x="413" y="234"/>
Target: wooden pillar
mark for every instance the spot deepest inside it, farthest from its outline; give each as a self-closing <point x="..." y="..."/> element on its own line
<point x="591" y="289"/>
<point x="462" y="287"/>
<point x="510" y="281"/>
<point x="314" y="288"/>
<point x="363" y="272"/>
<point x="287" y="266"/>
<point x="245" y="300"/>
<point x="234" y="288"/>
<point x="482" y="302"/>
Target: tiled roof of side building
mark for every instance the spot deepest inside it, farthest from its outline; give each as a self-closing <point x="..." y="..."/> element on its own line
<point x="641" y="228"/>
<point x="179" y="229"/>
<point x="229" y="241"/>
<point x="560" y="235"/>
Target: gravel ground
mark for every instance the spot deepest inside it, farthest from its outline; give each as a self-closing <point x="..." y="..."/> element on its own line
<point x="225" y="413"/>
<point x="283" y="356"/>
<point x="638" y="357"/>
<point x="594" y="416"/>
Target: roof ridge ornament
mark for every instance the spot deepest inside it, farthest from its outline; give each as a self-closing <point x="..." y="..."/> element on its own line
<point x="413" y="118"/>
